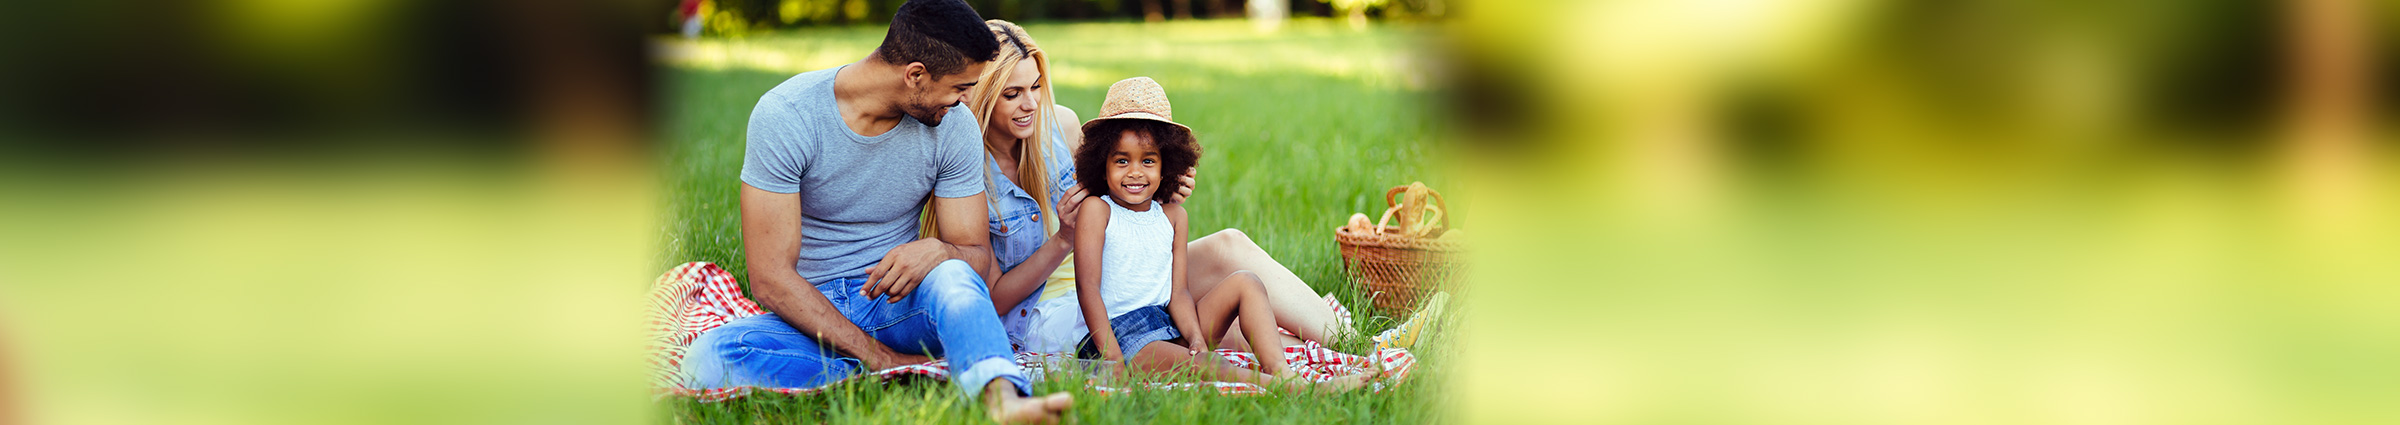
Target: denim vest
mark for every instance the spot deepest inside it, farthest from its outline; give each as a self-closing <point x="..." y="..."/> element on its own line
<point x="1016" y="217"/>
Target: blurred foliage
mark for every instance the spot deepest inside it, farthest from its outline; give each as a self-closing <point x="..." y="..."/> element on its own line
<point x="1356" y="10"/>
<point x="741" y="17"/>
<point x="1930" y="212"/>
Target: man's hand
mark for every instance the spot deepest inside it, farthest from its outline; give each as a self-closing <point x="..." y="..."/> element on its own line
<point x="897" y="359"/>
<point x="903" y="268"/>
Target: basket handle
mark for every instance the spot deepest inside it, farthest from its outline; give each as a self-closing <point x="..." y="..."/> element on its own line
<point x="1434" y="206"/>
<point x="1390" y="196"/>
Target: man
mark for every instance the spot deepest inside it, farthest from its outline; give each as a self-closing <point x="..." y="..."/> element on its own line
<point x="838" y="166"/>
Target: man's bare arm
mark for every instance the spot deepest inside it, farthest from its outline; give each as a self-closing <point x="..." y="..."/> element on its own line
<point x="771" y="245"/>
<point x="965" y="236"/>
<point x="966" y="231"/>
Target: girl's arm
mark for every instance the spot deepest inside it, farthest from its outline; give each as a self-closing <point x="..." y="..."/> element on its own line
<point x="1180" y="306"/>
<point x="1087" y="279"/>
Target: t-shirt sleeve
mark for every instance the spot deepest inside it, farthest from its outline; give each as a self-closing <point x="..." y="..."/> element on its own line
<point x="960" y="158"/>
<point x="771" y="158"/>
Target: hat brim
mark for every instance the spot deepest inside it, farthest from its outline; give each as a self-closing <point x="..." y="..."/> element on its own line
<point x="1087" y="125"/>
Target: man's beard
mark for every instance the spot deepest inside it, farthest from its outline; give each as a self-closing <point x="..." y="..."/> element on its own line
<point x="931" y="116"/>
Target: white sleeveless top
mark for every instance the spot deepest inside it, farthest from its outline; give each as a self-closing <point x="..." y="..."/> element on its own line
<point x="1137" y="269"/>
<point x="1137" y="264"/>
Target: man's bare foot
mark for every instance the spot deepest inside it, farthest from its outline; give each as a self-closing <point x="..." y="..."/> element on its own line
<point x="1045" y="409"/>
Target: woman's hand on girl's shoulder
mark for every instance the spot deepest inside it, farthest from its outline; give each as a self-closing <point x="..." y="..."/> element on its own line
<point x="1070" y="210"/>
<point x="1189" y="179"/>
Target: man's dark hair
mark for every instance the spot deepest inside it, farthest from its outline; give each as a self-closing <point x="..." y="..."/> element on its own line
<point x="1177" y="152"/>
<point x="945" y="35"/>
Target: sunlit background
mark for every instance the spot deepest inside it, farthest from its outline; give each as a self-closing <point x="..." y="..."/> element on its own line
<point x="263" y="211"/>
<point x="1685" y="211"/>
<point x="1912" y="212"/>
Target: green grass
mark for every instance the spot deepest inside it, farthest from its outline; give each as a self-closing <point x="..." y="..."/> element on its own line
<point x="1301" y="127"/>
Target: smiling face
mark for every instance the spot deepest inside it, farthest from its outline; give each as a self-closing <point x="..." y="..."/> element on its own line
<point x="1018" y="104"/>
<point x="1133" y="170"/>
<point x="935" y="95"/>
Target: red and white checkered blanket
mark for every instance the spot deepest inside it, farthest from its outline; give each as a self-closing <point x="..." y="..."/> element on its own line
<point x="698" y="296"/>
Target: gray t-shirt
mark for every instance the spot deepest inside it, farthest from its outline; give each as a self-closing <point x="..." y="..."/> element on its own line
<point x="859" y="196"/>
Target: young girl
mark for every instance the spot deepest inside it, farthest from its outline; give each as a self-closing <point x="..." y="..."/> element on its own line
<point x="1131" y="154"/>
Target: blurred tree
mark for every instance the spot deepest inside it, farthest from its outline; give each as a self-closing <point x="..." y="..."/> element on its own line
<point x="1223" y="9"/>
<point x="1356" y="10"/>
<point x="1099" y="8"/>
<point x="734" y="17"/>
<point x="792" y="11"/>
<point x="2328" y="101"/>
<point x="854" y="11"/>
<point x="749" y="11"/>
<point x="1416" y="8"/>
<point x="1268" y="15"/>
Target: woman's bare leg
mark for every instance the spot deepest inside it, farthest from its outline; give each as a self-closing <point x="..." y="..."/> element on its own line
<point x="1242" y="296"/>
<point x="1167" y="357"/>
<point x="1215" y="257"/>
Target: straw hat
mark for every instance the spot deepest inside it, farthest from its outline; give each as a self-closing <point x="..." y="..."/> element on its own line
<point x="1136" y="98"/>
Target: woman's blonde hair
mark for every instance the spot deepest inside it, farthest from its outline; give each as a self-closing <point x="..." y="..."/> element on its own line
<point x="1033" y="174"/>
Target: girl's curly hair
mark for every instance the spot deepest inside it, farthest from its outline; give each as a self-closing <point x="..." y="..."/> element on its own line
<point x="1178" y="151"/>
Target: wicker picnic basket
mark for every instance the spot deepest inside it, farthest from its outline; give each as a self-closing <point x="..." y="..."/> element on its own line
<point x="1401" y="263"/>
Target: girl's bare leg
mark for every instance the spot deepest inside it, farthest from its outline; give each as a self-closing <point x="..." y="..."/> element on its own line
<point x="1243" y="296"/>
<point x="1215" y="257"/>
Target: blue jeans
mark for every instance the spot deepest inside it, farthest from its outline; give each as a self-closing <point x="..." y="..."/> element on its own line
<point x="949" y="316"/>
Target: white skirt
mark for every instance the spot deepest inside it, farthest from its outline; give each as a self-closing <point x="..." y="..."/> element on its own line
<point x="1052" y="326"/>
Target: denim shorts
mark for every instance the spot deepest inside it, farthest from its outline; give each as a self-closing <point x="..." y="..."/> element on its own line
<point x="1134" y="329"/>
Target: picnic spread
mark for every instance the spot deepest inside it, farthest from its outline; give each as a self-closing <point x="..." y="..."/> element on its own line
<point x="695" y="297"/>
<point x="1408" y="255"/>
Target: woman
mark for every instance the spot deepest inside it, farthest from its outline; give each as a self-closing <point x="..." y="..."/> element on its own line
<point x="1030" y="182"/>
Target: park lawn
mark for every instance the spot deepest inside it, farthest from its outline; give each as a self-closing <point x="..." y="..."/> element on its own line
<point x="1301" y="128"/>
